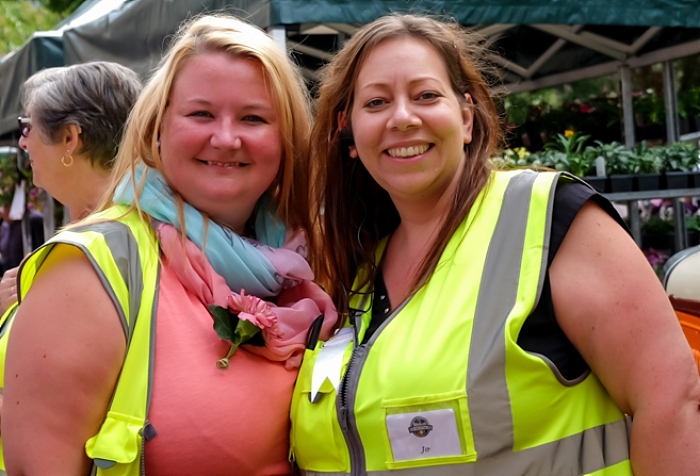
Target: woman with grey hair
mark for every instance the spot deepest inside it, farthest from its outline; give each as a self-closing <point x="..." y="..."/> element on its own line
<point x="75" y="119"/>
<point x="74" y="123"/>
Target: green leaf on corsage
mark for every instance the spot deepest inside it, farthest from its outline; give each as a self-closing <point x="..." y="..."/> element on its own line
<point x="233" y="330"/>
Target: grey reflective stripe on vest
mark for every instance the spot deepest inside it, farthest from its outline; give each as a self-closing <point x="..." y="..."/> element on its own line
<point x="489" y="400"/>
<point x="125" y="251"/>
<point x="486" y="376"/>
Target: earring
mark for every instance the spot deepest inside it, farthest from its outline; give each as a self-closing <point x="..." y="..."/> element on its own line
<point x="70" y="159"/>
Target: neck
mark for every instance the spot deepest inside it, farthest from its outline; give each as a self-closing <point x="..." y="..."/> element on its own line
<point x="89" y="195"/>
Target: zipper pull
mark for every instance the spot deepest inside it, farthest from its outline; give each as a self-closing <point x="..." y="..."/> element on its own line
<point x="344" y="418"/>
<point x="357" y="325"/>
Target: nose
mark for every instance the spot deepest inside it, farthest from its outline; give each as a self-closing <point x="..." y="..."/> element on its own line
<point x="23" y="142"/>
<point x="403" y="116"/>
<point x="226" y="135"/>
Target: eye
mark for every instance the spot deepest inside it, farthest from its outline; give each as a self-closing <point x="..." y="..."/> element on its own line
<point x="254" y="118"/>
<point x="200" y="114"/>
<point x="428" y="95"/>
<point x="374" y="103"/>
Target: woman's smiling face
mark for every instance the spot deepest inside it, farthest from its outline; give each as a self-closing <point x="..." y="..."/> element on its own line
<point x="220" y="138"/>
<point x="409" y="125"/>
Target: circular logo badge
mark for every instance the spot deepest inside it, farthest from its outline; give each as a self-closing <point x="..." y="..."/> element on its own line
<point x="420" y="427"/>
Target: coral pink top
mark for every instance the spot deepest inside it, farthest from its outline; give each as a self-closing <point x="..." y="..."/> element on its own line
<point x="211" y="421"/>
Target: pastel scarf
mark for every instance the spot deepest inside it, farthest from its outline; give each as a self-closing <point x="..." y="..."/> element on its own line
<point x="236" y="272"/>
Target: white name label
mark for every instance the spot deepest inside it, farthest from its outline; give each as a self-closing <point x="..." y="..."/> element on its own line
<point x="427" y="434"/>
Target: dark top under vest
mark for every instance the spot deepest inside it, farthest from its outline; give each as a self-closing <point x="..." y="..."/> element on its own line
<point x="541" y="333"/>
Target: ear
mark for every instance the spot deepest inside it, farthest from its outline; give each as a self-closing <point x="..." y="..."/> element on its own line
<point x="342" y="120"/>
<point x="468" y="117"/>
<point x="71" y="138"/>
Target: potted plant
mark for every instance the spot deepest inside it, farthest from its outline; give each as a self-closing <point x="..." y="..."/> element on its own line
<point x="566" y="153"/>
<point x="616" y="158"/>
<point x="678" y="161"/>
<point x="645" y="164"/>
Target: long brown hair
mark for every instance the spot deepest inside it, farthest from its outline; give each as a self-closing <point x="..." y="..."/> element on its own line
<point x="355" y="212"/>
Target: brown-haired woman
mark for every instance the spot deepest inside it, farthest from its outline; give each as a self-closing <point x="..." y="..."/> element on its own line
<point x="499" y="322"/>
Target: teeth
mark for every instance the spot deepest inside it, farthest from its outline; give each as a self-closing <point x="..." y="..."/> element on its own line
<point x="225" y="164"/>
<point x="408" y="151"/>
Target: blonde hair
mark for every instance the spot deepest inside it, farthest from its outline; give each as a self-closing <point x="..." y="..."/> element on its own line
<point x="223" y="33"/>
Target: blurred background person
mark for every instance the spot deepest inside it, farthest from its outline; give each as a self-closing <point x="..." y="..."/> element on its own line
<point x="74" y="123"/>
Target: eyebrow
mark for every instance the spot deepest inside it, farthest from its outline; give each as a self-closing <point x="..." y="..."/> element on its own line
<point x="246" y="107"/>
<point x="412" y="82"/>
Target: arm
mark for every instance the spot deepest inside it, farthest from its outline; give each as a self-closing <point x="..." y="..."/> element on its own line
<point x="64" y="355"/>
<point x="612" y="307"/>
<point x="8" y="289"/>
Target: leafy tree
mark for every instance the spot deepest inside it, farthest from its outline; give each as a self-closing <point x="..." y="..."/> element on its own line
<point x="20" y="18"/>
<point x="63" y="7"/>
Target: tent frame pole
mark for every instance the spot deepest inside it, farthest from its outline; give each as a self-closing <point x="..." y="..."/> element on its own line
<point x="671" y="102"/>
<point x="627" y="110"/>
<point x="279" y="35"/>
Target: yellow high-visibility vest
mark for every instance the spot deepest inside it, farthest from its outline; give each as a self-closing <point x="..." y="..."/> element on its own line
<point x="125" y="254"/>
<point x="442" y="387"/>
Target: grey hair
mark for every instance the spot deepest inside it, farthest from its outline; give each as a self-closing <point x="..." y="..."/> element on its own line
<point x="96" y="97"/>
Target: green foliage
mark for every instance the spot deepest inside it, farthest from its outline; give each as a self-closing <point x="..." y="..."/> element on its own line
<point x="649" y="108"/>
<point x="615" y="154"/>
<point x="689" y="102"/>
<point x="656" y="225"/>
<point x="693" y="223"/>
<point x="681" y="156"/>
<point x="63" y="7"/>
<point x="511" y="158"/>
<point x="566" y="152"/>
<point x="644" y="160"/>
<point x="20" y="19"/>
<point x="570" y="154"/>
<point x="11" y="175"/>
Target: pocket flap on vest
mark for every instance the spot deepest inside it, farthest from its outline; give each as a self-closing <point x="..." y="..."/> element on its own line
<point x="119" y="439"/>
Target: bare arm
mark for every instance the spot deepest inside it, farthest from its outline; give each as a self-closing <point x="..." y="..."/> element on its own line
<point x="8" y="289"/>
<point x="613" y="308"/>
<point x="64" y="355"/>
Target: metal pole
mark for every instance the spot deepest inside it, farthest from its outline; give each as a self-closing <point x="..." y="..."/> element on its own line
<point x="671" y="102"/>
<point x="635" y="222"/>
<point x="627" y="110"/>
<point x="279" y="35"/>
<point x="681" y="240"/>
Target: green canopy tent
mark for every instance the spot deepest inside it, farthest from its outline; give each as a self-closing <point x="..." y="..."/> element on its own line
<point x="43" y="50"/>
<point x="536" y="43"/>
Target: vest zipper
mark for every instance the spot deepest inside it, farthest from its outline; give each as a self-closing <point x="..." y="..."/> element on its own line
<point x="346" y="402"/>
<point x="348" y="391"/>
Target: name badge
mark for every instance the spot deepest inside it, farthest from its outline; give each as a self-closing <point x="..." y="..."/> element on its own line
<point x="330" y="361"/>
<point x="428" y="434"/>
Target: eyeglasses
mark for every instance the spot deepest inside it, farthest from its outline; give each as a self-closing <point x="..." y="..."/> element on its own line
<point x="25" y="125"/>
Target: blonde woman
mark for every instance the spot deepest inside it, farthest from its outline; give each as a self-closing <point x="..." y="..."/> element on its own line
<point x="124" y="353"/>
